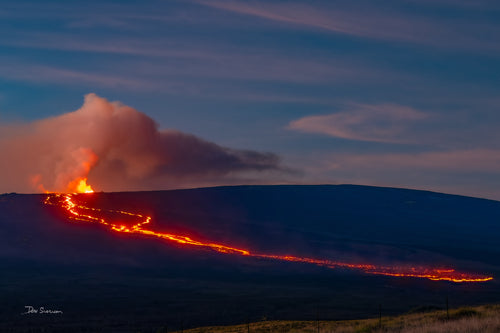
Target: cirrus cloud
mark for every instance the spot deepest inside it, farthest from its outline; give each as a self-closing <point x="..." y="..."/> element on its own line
<point x="379" y="123"/>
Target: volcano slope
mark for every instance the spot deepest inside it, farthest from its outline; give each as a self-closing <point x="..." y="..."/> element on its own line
<point x="101" y="279"/>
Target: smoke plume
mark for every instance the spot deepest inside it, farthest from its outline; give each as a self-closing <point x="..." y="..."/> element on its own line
<point x="117" y="148"/>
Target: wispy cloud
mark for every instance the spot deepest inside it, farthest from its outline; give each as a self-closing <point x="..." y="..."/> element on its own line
<point x="215" y="61"/>
<point x="275" y="67"/>
<point x="337" y="20"/>
<point x="469" y="4"/>
<point x="47" y="74"/>
<point x="110" y="45"/>
<point x="469" y="160"/>
<point x="379" y="123"/>
<point x="369" y="21"/>
<point x="189" y="70"/>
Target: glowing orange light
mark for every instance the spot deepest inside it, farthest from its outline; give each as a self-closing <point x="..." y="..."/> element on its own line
<point x="80" y="185"/>
<point x="88" y="214"/>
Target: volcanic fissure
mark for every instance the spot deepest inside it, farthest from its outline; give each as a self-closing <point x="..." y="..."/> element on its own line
<point x="142" y="225"/>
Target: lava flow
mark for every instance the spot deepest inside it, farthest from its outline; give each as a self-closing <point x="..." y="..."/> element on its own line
<point x="88" y="214"/>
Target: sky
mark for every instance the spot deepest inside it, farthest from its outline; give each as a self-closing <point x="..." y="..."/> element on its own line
<point x="175" y="94"/>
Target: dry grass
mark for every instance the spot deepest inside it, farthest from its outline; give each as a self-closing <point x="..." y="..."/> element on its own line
<point x="483" y="319"/>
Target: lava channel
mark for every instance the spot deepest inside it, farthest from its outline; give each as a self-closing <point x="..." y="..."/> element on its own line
<point x="141" y="225"/>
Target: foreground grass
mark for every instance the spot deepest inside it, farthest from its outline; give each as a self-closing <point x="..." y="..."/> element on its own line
<point x="482" y="319"/>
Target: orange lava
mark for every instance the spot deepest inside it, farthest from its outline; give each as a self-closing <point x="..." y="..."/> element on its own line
<point x="87" y="214"/>
<point x="79" y="185"/>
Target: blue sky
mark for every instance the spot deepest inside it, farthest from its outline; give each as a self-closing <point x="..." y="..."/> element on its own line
<point x="396" y="93"/>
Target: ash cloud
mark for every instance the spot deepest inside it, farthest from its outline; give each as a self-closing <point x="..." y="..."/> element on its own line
<point x="117" y="148"/>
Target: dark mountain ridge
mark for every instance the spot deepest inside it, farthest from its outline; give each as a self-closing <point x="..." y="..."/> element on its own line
<point x="93" y="273"/>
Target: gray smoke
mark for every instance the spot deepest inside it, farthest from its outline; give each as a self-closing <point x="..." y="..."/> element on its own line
<point x="117" y="148"/>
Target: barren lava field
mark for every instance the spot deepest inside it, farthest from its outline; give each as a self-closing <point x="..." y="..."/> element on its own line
<point x="226" y="255"/>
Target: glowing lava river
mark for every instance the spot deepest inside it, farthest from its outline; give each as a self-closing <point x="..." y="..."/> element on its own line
<point x="141" y="224"/>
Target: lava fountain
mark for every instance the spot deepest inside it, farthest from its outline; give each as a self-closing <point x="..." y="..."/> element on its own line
<point x="79" y="185"/>
<point x="141" y="225"/>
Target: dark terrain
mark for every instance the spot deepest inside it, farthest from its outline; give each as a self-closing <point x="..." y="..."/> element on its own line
<point x="121" y="282"/>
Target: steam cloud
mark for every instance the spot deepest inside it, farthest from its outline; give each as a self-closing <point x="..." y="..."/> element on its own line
<point x="117" y="148"/>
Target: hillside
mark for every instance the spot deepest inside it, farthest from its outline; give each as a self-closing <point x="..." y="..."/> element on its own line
<point x="99" y="278"/>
